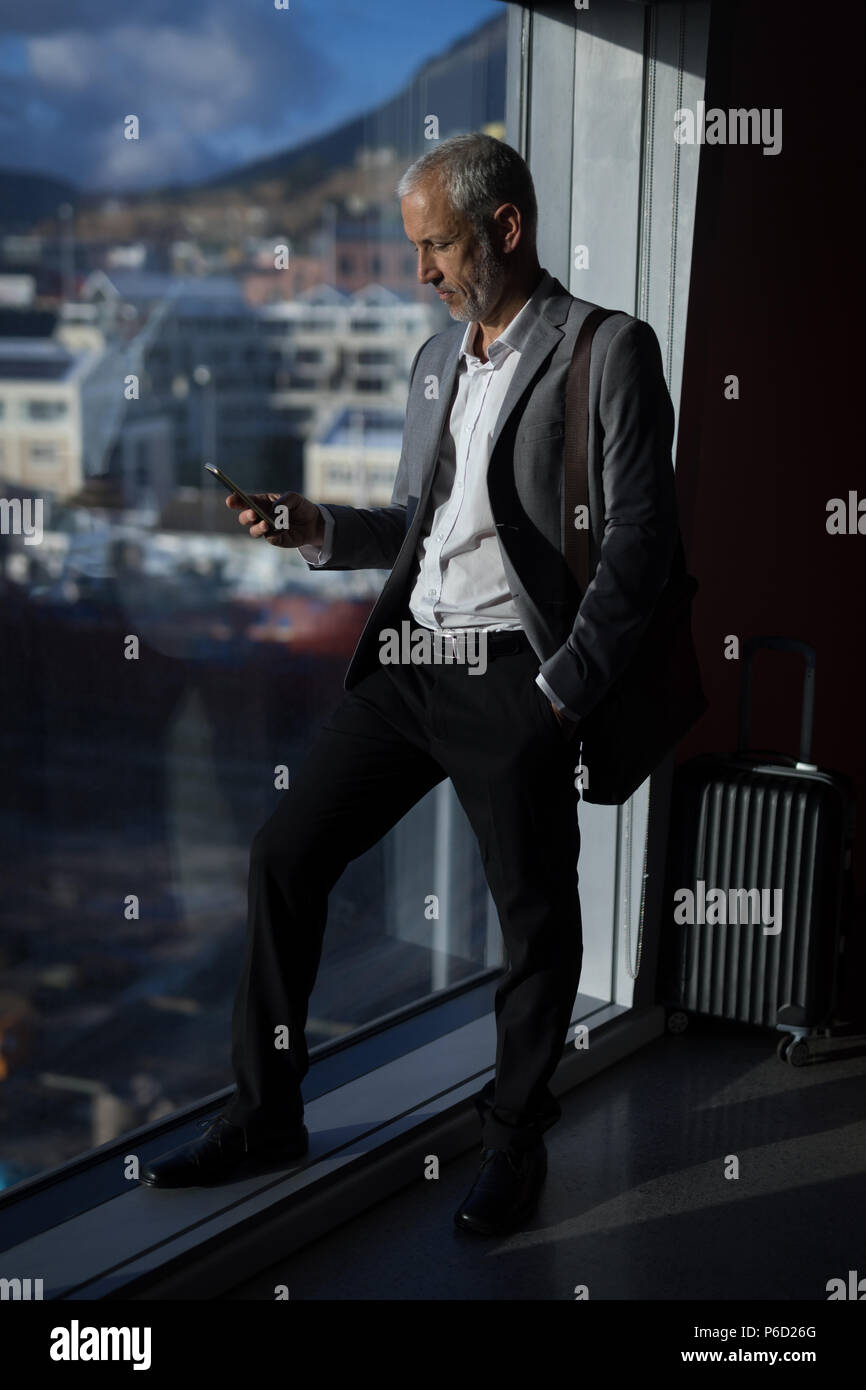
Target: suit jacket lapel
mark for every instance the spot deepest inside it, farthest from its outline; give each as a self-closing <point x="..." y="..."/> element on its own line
<point x="541" y="341"/>
<point x="437" y="420"/>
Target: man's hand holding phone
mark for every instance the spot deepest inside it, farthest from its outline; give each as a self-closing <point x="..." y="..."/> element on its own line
<point x="283" y="518"/>
<point x="300" y="523"/>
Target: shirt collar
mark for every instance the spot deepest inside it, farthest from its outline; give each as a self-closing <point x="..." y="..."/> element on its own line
<point x="513" y="337"/>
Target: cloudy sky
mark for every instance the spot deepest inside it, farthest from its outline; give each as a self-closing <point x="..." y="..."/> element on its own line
<point x="213" y="82"/>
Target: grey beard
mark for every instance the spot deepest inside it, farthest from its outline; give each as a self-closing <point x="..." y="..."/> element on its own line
<point x="486" y="288"/>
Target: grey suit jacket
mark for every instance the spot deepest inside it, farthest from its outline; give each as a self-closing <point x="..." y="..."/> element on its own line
<point x="582" y="645"/>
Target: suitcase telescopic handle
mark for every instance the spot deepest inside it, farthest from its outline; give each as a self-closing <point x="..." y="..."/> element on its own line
<point x="785" y="644"/>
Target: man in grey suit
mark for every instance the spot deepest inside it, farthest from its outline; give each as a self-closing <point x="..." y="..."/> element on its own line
<point x="474" y="541"/>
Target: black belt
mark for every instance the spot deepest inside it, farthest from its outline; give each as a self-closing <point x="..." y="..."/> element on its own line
<point x="501" y="643"/>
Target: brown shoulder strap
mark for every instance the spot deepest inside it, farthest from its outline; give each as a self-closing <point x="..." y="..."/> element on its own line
<point x="575" y="462"/>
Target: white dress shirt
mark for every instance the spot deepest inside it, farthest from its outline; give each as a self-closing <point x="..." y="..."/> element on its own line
<point x="461" y="584"/>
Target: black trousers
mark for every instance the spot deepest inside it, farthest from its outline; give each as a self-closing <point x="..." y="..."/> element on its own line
<point x="399" y="732"/>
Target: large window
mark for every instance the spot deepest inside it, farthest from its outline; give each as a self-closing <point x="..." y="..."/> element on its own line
<point x="160" y="668"/>
<point x="158" y="664"/>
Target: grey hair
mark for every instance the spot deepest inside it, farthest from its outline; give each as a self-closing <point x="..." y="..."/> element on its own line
<point x="479" y="174"/>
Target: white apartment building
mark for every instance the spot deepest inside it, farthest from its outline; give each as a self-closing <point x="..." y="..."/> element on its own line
<point x="40" y="414"/>
<point x="344" y="351"/>
<point x="353" y="459"/>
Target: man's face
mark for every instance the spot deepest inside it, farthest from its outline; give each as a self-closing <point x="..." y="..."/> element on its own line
<point x="468" y="273"/>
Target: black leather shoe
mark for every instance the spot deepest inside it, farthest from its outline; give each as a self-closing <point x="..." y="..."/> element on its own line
<point x="222" y="1150"/>
<point x="505" y="1191"/>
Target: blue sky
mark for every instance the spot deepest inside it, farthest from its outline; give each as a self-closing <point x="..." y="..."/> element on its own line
<point x="214" y="82"/>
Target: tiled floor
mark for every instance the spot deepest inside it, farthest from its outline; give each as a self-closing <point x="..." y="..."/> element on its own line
<point x="639" y="1202"/>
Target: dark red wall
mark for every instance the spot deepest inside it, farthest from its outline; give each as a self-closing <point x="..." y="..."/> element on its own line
<point x="777" y="298"/>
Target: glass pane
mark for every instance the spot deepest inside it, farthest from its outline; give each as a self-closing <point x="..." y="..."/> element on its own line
<point x="202" y="261"/>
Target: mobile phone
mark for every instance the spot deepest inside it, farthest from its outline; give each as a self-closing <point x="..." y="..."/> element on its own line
<point x="245" y="497"/>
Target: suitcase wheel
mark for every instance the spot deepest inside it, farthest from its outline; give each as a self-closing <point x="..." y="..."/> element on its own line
<point x="677" y="1021"/>
<point x="794" y="1051"/>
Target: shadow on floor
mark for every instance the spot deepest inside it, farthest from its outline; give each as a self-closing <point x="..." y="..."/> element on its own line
<point x="638" y="1204"/>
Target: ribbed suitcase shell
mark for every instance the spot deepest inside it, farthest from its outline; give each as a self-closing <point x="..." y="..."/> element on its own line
<point x="742" y="822"/>
<point x="750" y="820"/>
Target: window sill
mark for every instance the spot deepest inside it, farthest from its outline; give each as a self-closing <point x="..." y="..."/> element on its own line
<point x="368" y="1139"/>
